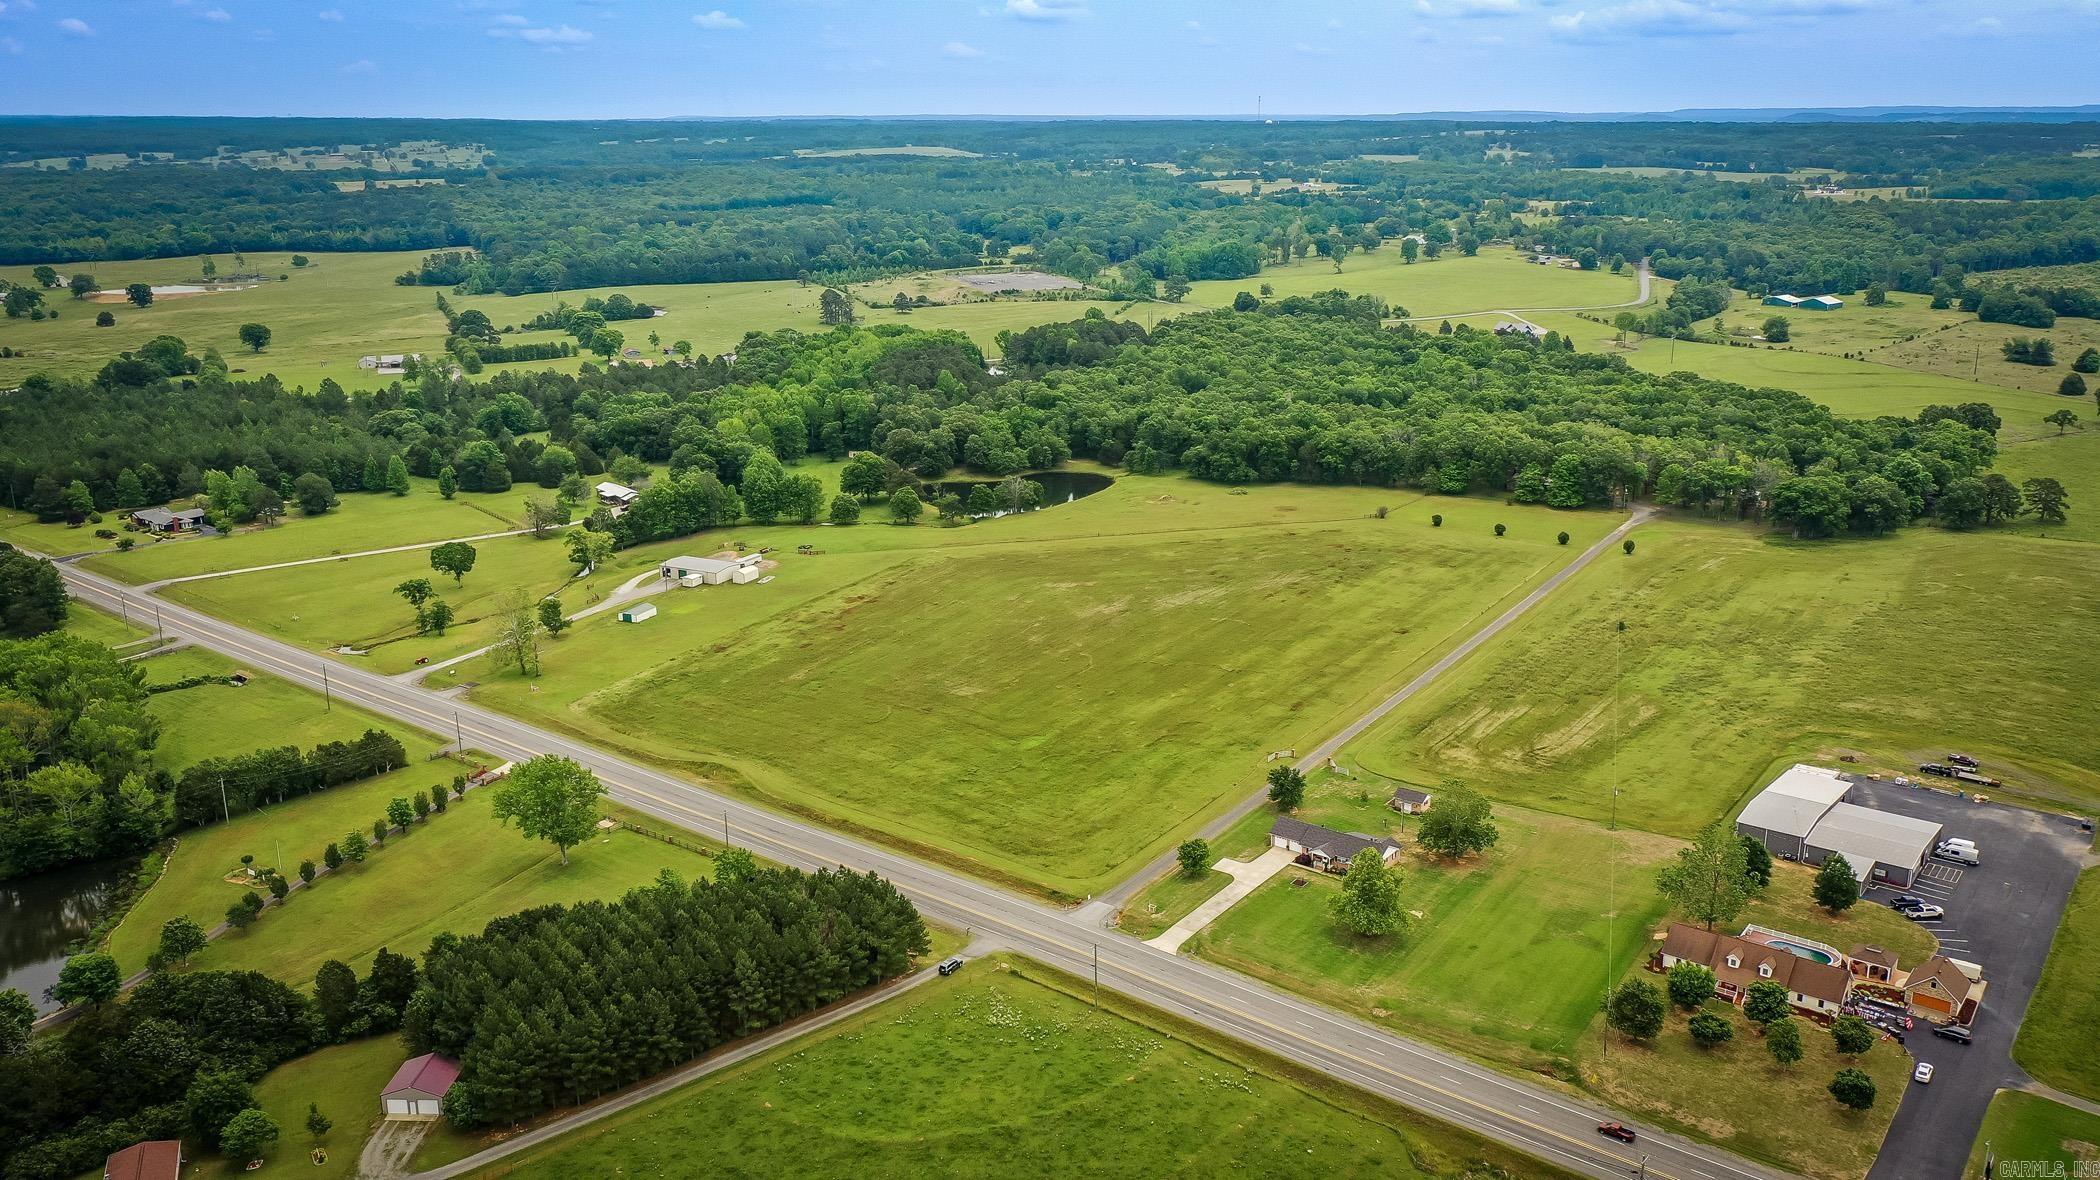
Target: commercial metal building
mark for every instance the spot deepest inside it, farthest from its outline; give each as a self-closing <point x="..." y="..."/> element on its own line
<point x="1880" y="846"/>
<point x="1783" y="814"/>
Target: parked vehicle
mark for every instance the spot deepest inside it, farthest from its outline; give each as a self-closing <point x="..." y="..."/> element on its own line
<point x="1618" y="1131"/>
<point x="1905" y="901"/>
<point x="1965" y="856"/>
<point x="1954" y="842"/>
<point x="1958" y="1033"/>
<point x="950" y="965"/>
<point x="1938" y="769"/>
<point x="1963" y="760"/>
<point x="1981" y="780"/>
<point x="1923" y="1073"/>
<point x="1923" y="913"/>
<point x="1901" y="780"/>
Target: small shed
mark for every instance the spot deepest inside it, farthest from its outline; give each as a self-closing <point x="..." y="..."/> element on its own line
<point x="637" y="613"/>
<point x="419" y="1087"/>
<point x="1408" y="801"/>
<point x="1822" y="303"/>
<point x="155" y="1159"/>
<point x="744" y="575"/>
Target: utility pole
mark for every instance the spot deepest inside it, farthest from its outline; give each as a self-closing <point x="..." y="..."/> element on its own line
<point x="327" y="695"/>
<point x="1097" y="975"/>
<point x="225" y="812"/>
<point x="725" y="825"/>
<point x="459" y="741"/>
<point x="157" y="625"/>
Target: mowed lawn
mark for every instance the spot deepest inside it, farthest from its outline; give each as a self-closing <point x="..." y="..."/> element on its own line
<point x="1506" y="956"/>
<point x="1043" y="704"/>
<point x="344" y="1081"/>
<point x="2056" y="1038"/>
<point x="1743" y="651"/>
<point x="2072" y="460"/>
<point x="2041" y="1137"/>
<point x="1496" y="278"/>
<point x="322" y="317"/>
<point x="991" y="1069"/>
<point x="225" y="720"/>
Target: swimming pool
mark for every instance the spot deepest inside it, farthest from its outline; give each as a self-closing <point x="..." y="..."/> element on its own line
<point x="1800" y="952"/>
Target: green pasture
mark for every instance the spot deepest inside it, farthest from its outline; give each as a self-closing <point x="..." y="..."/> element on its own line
<point x="1556" y="899"/>
<point x="1795" y="175"/>
<point x="2056" y="1038"/>
<point x="2073" y="460"/>
<point x="2041" y="1137"/>
<point x="224" y="720"/>
<point x="1494" y="279"/>
<point x="998" y="1064"/>
<point x="322" y="317"/>
<point x="91" y="623"/>
<point x="1168" y="900"/>
<point x="1744" y="651"/>
<point x="1053" y="697"/>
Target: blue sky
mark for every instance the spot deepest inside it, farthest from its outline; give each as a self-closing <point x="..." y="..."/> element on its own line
<point x="654" y="58"/>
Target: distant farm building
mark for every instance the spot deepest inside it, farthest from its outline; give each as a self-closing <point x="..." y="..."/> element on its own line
<point x="155" y="1159"/>
<point x="1782" y="301"/>
<point x="618" y="497"/>
<point x="1325" y="849"/>
<point x="1407" y="800"/>
<point x="1511" y="328"/>
<point x="169" y="520"/>
<point x="1822" y="303"/>
<point x="390" y="362"/>
<point x="1782" y="814"/>
<point x="418" y="1088"/>
<point x="639" y="612"/>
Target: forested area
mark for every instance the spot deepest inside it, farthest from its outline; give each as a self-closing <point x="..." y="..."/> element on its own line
<point x="173" y="1060"/>
<point x="76" y="747"/>
<point x="557" y="1005"/>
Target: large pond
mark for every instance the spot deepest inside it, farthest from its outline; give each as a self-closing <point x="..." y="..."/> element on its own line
<point x="41" y="915"/>
<point x="1059" y="487"/>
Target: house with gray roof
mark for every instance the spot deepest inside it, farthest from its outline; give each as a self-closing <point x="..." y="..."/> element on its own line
<point x="1325" y="849"/>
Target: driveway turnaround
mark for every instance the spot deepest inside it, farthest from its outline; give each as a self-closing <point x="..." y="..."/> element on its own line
<point x="2001" y="915"/>
<point x="1531" y="1117"/>
<point x="1246" y="875"/>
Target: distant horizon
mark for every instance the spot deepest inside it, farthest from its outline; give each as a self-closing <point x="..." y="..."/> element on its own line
<point x="597" y="60"/>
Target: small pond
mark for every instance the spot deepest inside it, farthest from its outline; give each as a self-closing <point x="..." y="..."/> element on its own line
<point x="41" y="915"/>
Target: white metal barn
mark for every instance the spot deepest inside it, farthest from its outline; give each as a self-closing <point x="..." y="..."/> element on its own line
<point x="698" y="571"/>
<point x="418" y="1088"/>
<point x="639" y="612"/>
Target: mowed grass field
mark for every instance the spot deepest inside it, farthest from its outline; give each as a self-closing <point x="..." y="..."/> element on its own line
<point x="1496" y="278"/>
<point x="2041" y="1137"/>
<point x="1000" y="1064"/>
<point x="322" y="317"/>
<point x="1506" y="956"/>
<point x="1743" y="652"/>
<point x="225" y="720"/>
<point x="2056" y="1038"/>
<point x="1054" y="697"/>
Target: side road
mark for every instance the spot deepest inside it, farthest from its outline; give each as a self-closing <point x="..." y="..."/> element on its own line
<point x="720" y="1059"/>
<point x="1103" y="908"/>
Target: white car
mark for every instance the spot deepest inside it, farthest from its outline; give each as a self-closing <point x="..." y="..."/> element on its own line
<point x="1923" y="913"/>
<point x="1923" y="1073"/>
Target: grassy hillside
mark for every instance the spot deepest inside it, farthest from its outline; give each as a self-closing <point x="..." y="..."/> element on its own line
<point x="2056" y="1039"/>
<point x="1742" y="652"/>
<point x="1496" y="278"/>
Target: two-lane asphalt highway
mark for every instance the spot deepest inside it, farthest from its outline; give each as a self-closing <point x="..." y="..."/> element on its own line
<point x="1542" y="1121"/>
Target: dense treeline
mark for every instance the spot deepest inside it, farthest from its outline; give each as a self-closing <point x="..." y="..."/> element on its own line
<point x="174" y="1060"/>
<point x="219" y="788"/>
<point x="76" y="746"/>
<point x="558" y="1005"/>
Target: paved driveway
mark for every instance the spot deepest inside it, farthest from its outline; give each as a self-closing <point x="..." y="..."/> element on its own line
<point x="2001" y="914"/>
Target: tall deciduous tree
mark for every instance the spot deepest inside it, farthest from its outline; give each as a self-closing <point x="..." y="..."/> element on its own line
<point x="1286" y="787"/>
<point x="1710" y="881"/>
<point x="517" y="635"/>
<point x="1369" y="903"/>
<point x="1835" y="888"/>
<point x="553" y="799"/>
<point x="255" y="336"/>
<point x="1459" y="822"/>
<point x="1636" y="1009"/>
<point x="180" y="937"/>
<point x="90" y="978"/>
<point x="455" y="558"/>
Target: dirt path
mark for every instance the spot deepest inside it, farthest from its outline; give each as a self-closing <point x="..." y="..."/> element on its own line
<point x="393" y="1144"/>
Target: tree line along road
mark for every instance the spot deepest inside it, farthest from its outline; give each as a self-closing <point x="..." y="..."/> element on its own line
<point x="1544" y="1122"/>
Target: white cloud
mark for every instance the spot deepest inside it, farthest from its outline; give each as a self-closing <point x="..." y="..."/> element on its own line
<point x="553" y="37"/>
<point x="362" y="65"/>
<point x="331" y="15"/>
<point x="512" y="19"/>
<point x="1694" y="18"/>
<point x="961" y="49"/>
<point x="1307" y="49"/>
<point x="717" y="19"/>
<point x="76" y="26"/>
<point x="1046" y="11"/>
<point x="216" y="15"/>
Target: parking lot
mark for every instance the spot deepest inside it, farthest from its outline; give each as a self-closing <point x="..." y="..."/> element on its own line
<point x="2001" y="914"/>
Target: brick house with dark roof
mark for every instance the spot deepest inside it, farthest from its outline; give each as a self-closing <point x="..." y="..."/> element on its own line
<point x="1325" y="849"/>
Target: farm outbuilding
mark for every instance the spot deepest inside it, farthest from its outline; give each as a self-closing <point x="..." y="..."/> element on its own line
<point x="1783" y="814"/>
<point x="1782" y="301"/>
<point x="155" y="1159"/>
<point x="639" y="612"/>
<point x="1822" y="303"/>
<point x="418" y="1088"/>
<point x="1879" y="845"/>
<point x="698" y="571"/>
<point x="1408" y="801"/>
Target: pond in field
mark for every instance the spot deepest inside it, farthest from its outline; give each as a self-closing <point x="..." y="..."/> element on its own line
<point x="1059" y="487"/>
<point x="41" y="915"/>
